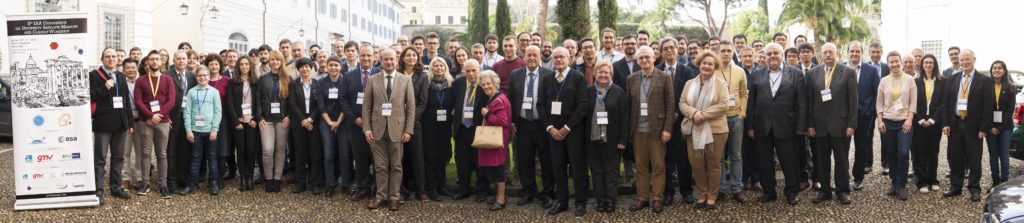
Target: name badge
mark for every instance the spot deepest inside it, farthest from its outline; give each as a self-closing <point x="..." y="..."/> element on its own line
<point x="359" y="98"/>
<point x="118" y="102"/>
<point x="997" y="116"/>
<point x="332" y="93"/>
<point x="275" y="107"/>
<point x="602" y="118"/>
<point x="961" y="104"/>
<point x="442" y="115"/>
<point x="184" y="102"/>
<point x="556" y="108"/>
<point x="826" y="95"/>
<point x="199" y="121"/>
<point x="527" y="103"/>
<point x="246" y="109"/>
<point x="643" y="109"/>
<point x="154" y="106"/>
<point x="897" y="106"/>
<point x="467" y="112"/>
<point x="732" y="101"/>
<point x="385" y="109"/>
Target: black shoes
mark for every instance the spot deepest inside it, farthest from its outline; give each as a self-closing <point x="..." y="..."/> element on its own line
<point x="298" y="188"/>
<point x="844" y="198"/>
<point x="480" y="198"/>
<point x="975" y="196"/>
<point x="668" y="200"/>
<point x="461" y="196"/>
<point x="329" y="192"/>
<point x="822" y="197"/>
<point x="792" y="200"/>
<point x="557" y="207"/>
<point x="952" y="193"/>
<point x="688" y="198"/>
<point x="187" y="190"/>
<point x="524" y="201"/>
<point x="120" y="193"/>
<point x="858" y="185"/>
<point x="165" y="193"/>
<point x="581" y="209"/>
<point x="498" y="206"/>
<point x="214" y="189"/>
<point x="767" y="198"/>
<point x="901" y="194"/>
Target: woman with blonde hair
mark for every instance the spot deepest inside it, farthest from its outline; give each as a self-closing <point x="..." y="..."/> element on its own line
<point x="703" y="104"/>
<point x="273" y="121"/>
<point x="436" y="120"/>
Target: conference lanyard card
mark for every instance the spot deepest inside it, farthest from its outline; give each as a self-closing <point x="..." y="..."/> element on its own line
<point x="199" y="121"/>
<point x="332" y="93"/>
<point x="643" y="109"/>
<point x="602" y="118"/>
<point x="275" y="108"/>
<point x="556" y="108"/>
<point x="154" y="106"/>
<point x="118" y="102"/>
<point x="359" y="98"/>
<point x="527" y="103"/>
<point x="246" y="109"/>
<point x="897" y="106"/>
<point x="467" y="112"/>
<point x="442" y="115"/>
<point x="732" y="101"/>
<point x="385" y="109"/>
<point x="826" y="95"/>
<point x="997" y="116"/>
<point x="961" y="104"/>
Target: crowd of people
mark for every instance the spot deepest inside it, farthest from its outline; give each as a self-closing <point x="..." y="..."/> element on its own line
<point x="710" y="119"/>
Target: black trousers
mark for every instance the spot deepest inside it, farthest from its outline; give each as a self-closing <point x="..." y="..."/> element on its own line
<point x="788" y="152"/>
<point x="465" y="161"/>
<point x="676" y="161"/>
<point x="603" y="158"/>
<point x="179" y="154"/>
<point x="361" y="156"/>
<point x="863" y="145"/>
<point x="831" y="149"/>
<point x="570" y="152"/>
<point x="437" y="152"/>
<point x="412" y="157"/>
<point x="531" y="143"/>
<point x="964" y="143"/>
<point x="749" y="169"/>
<point x="245" y="143"/>
<point x="308" y="157"/>
<point x="925" y="149"/>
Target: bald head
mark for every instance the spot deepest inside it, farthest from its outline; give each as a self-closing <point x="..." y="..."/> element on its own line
<point x="532" y="57"/>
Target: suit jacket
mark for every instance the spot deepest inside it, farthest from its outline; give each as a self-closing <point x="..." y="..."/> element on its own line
<point x="833" y="117"/>
<point x="882" y="68"/>
<point x="980" y="103"/>
<point x="1007" y="104"/>
<point x="784" y="115"/>
<point x="573" y="97"/>
<point x="354" y="85"/>
<point x="403" y="102"/>
<point x="660" y="112"/>
<point x="679" y="78"/>
<point x="867" y="89"/>
<point x="106" y="118"/>
<point x="190" y="77"/>
<point x="297" y="102"/>
<point x="518" y="85"/>
<point x="479" y="101"/>
<point x="615" y="103"/>
<point x="948" y="73"/>
<point x="621" y="71"/>
<point x="234" y="102"/>
<point x="936" y="108"/>
<point x="266" y="97"/>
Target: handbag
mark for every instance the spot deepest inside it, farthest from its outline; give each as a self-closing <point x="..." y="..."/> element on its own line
<point x="488" y="137"/>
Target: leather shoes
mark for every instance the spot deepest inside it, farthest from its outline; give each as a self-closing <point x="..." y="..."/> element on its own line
<point x="975" y="196"/>
<point x="461" y="196"/>
<point x="497" y="206"/>
<point x="658" y="208"/>
<point x="738" y="198"/>
<point x="581" y="209"/>
<point x="792" y="200"/>
<point x="423" y="197"/>
<point x="547" y="203"/>
<point x="393" y="205"/>
<point x="524" y="201"/>
<point x="844" y="198"/>
<point x="374" y="204"/>
<point x="688" y="199"/>
<point x="640" y="205"/>
<point x="952" y="193"/>
<point x="298" y="188"/>
<point x="479" y="198"/>
<point x="822" y="197"/>
<point x="804" y="185"/>
<point x="360" y="195"/>
<point x="668" y="200"/>
<point x="858" y="185"/>
<point x="443" y="192"/>
<point x="329" y="192"/>
<point x="767" y="198"/>
<point x="558" y="207"/>
<point x="120" y="193"/>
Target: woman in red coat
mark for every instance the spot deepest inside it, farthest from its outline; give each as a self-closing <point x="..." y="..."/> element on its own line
<point x="497" y="113"/>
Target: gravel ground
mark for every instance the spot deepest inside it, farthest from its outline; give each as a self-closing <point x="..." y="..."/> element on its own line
<point x="869" y="205"/>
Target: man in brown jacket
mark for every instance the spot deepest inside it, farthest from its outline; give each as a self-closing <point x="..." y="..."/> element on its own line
<point x="391" y="108"/>
<point x="651" y="117"/>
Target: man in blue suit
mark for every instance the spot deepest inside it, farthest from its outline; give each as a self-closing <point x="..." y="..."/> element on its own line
<point x="875" y="50"/>
<point x="351" y="105"/>
<point x="867" y="90"/>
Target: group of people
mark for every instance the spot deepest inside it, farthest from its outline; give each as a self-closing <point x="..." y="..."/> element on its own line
<point x="716" y="115"/>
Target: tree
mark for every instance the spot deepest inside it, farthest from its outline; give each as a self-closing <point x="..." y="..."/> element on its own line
<point x="752" y="24"/>
<point x="709" y="23"/>
<point x="608" y="13"/>
<point x="574" y="18"/>
<point x="478" y="27"/>
<point x="541" y="25"/>
<point x="831" y="21"/>
<point x="502" y="19"/>
<point x="763" y="5"/>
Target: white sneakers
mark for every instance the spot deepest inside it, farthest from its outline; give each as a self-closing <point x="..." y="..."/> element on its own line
<point x="923" y="190"/>
<point x="935" y="187"/>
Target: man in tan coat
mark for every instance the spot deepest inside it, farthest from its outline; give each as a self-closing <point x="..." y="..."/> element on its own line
<point x="390" y="105"/>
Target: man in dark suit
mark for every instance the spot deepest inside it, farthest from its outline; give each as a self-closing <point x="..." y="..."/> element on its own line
<point x="675" y="154"/>
<point x="527" y="116"/>
<point x="778" y="96"/>
<point x="833" y="91"/>
<point x="352" y="106"/>
<point x="621" y="70"/>
<point x="954" y="58"/>
<point x="651" y="117"/>
<point x="469" y="101"/>
<point x="179" y="150"/>
<point x="111" y="117"/>
<point x="968" y="118"/>
<point x="568" y="103"/>
<point x="875" y="50"/>
<point x="867" y="92"/>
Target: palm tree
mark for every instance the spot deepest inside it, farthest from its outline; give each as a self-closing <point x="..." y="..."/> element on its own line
<point x="830" y="20"/>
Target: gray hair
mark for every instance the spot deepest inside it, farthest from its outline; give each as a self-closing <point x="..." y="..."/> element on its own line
<point x="667" y="39"/>
<point x="477" y="46"/>
<point x="490" y="74"/>
<point x="772" y="46"/>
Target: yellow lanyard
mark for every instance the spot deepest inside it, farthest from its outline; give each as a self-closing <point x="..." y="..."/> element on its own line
<point x="929" y="86"/>
<point x="999" y="88"/>
<point x="471" y="95"/>
<point x="896" y="87"/>
<point x="153" y="87"/>
<point x="964" y="87"/>
<point x="828" y="76"/>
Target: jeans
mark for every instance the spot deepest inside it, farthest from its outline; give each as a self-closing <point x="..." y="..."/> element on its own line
<point x="333" y="148"/>
<point x="734" y="152"/>
<point x="999" y="154"/>
<point x="201" y="147"/>
<point x="897" y="145"/>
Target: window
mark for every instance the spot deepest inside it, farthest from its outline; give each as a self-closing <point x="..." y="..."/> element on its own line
<point x="463" y="20"/>
<point x="412" y="22"/>
<point x="437" y="19"/>
<point x="113" y="30"/>
<point x="334" y="11"/>
<point x="362" y="23"/>
<point x="934" y="47"/>
<point x="451" y="20"/>
<point x="344" y="15"/>
<point x="322" y="6"/>
<point x="414" y="9"/>
<point x="355" y="20"/>
<point x="238" y="42"/>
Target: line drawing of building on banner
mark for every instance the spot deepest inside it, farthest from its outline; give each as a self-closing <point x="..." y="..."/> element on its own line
<point x="59" y="82"/>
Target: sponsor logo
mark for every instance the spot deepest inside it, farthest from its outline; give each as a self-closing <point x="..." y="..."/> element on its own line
<point x="37" y="141"/>
<point x="72" y="156"/>
<point x="24" y="176"/>
<point x="67" y="139"/>
<point x="28" y="158"/>
<point x="64" y="120"/>
<point x="44" y="158"/>
<point x="76" y="155"/>
<point x="62" y="186"/>
<point x="37" y="176"/>
<point x="38" y="120"/>
<point x="76" y="173"/>
<point x="78" y="186"/>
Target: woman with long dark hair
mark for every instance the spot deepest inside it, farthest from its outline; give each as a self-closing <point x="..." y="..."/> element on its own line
<point x="928" y="123"/>
<point x="409" y="65"/>
<point x="460" y="58"/>
<point x="241" y="102"/>
<point x="1001" y="134"/>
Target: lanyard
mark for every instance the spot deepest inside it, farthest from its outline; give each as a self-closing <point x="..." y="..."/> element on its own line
<point x="103" y="74"/>
<point x="153" y="87"/>
<point x="929" y="87"/>
<point x="471" y="95"/>
<point x="828" y="76"/>
<point x="964" y="85"/>
<point x="776" y="78"/>
<point x="728" y="88"/>
<point x="558" y="95"/>
<point x="896" y="87"/>
<point x="199" y="107"/>
<point x="645" y="85"/>
<point x="274" y="83"/>
<point x="440" y="97"/>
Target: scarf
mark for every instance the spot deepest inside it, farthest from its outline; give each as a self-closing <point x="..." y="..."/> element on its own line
<point x="701" y="99"/>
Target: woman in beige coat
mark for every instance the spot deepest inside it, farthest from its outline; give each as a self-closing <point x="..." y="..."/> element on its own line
<point x="703" y="104"/>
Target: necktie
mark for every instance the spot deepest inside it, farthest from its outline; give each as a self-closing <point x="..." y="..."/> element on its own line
<point x="963" y="95"/>
<point x="366" y="75"/>
<point x="560" y="78"/>
<point x="184" y="80"/>
<point x="671" y="71"/>
<point x="529" y="94"/>
<point x="389" y="86"/>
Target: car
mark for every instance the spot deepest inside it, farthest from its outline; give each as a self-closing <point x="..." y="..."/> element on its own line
<point x="1005" y="203"/>
<point x="1017" y="78"/>
<point x="5" y="109"/>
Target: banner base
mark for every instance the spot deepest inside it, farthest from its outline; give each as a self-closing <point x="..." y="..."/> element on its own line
<point x="57" y="202"/>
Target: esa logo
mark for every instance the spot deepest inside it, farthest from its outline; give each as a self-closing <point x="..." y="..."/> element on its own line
<point x="67" y="139"/>
<point x="44" y="158"/>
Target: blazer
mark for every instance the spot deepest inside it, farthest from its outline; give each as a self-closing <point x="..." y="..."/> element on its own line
<point x="459" y="93"/>
<point x="832" y="118"/>
<point x="784" y="116"/>
<point x="980" y="103"/>
<point x="713" y="114"/>
<point x="936" y="108"/>
<point x="297" y="102"/>
<point x="660" y="112"/>
<point x="442" y="99"/>
<point x="679" y="78"/>
<point x="518" y="88"/>
<point x="328" y="106"/>
<point x="621" y="71"/>
<point x="234" y="102"/>
<point x="353" y="86"/>
<point x="190" y="78"/>
<point x="266" y="97"/>
<point x="573" y="98"/>
<point x="881" y="67"/>
<point x="106" y="118"/>
<point x="403" y="104"/>
<point x="615" y="103"/>
<point x="1007" y="104"/>
<point x="867" y="89"/>
<point x="420" y="85"/>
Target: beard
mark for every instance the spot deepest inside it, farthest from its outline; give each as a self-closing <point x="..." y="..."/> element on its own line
<point x="263" y="61"/>
<point x="546" y="54"/>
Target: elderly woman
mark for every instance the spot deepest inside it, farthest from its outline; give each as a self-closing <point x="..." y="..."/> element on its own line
<point x="491" y="161"/>
<point x="703" y="104"/>
<point x="436" y="118"/>
<point x="607" y="134"/>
